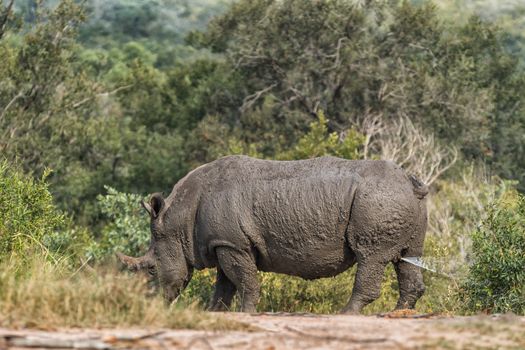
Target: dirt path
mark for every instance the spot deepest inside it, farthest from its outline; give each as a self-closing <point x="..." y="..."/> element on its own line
<point x="291" y="331"/>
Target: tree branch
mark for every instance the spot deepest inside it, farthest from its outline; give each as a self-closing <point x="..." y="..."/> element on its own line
<point x="3" y="21"/>
<point x="249" y="101"/>
<point x="419" y="153"/>
<point x="336" y="55"/>
<point x="103" y="94"/>
<point x="13" y="100"/>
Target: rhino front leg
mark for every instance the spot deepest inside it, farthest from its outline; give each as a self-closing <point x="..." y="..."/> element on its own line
<point x="411" y="286"/>
<point x="239" y="267"/>
<point x="367" y="285"/>
<point x="224" y="292"/>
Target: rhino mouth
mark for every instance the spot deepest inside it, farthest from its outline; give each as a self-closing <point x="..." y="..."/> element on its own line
<point x="173" y="292"/>
<point x="147" y="265"/>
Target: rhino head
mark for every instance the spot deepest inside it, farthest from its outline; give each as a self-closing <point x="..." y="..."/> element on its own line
<point x="164" y="261"/>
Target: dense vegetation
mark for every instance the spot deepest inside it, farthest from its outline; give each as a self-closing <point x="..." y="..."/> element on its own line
<point x="496" y="281"/>
<point x="105" y="102"/>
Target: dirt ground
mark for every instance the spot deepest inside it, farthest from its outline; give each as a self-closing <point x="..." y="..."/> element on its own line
<point x="296" y="331"/>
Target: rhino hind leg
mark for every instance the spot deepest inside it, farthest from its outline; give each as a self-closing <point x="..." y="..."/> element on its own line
<point x="367" y="285"/>
<point x="411" y="286"/>
<point x="224" y="292"/>
<point x="240" y="268"/>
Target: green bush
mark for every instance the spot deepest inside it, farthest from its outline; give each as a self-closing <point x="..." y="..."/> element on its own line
<point x="318" y="142"/>
<point x="284" y="293"/>
<point x="127" y="230"/>
<point x="27" y="212"/>
<point x="496" y="280"/>
<point x="70" y="243"/>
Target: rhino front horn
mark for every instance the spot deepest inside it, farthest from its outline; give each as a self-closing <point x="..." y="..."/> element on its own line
<point x="131" y="263"/>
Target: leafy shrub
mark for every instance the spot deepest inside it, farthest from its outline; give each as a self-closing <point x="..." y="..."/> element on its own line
<point x="127" y="230"/>
<point x="70" y="243"/>
<point x="496" y="280"/>
<point x="284" y="293"/>
<point x="200" y="289"/>
<point x="29" y="219"/>
<point x="27" y="212"/>
<point x="320" y="142"/>
<point x="293" y="294"/>
<point x="280" y="293"/>
<point x="317" y="141"/>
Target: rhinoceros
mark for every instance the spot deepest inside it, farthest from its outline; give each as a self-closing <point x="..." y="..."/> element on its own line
<point x="308" y="218"/>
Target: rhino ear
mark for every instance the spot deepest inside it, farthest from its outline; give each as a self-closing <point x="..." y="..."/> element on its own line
<point x="157" y="203"/>
<point x="146" y="207"/>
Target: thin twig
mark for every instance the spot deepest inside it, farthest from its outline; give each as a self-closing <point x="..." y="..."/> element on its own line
<point x="81" y="267"/>
<point x="103" y="94"/>
<point x="415" y="150"/>
<point x="133" y="337"/>
<point x="446" y="167"/>
<point x="13" y="100"/>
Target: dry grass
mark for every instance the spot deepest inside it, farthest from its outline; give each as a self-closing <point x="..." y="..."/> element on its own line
<point x="482" y="332"/>
<point x="46" y="295"/>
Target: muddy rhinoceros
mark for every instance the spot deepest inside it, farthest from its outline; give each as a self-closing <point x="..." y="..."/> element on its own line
<point x="308" y="218"/>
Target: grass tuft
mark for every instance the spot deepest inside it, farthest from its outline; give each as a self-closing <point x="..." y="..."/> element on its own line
<point x="48" y="295"/>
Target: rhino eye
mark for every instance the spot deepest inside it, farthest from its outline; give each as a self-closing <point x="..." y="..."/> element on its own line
<point x="152" y="270"/>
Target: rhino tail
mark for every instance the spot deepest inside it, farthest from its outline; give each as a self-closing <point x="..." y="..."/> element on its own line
<point x="419" y="188"/>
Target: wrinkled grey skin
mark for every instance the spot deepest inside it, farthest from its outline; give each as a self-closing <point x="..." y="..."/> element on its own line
<point x="309" y="218"/>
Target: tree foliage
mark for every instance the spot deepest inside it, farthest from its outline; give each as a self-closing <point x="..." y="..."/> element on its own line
<point x="132" y="118"/>
<point x="57" y="112"/>
<point x="127" y="20"/>
<point x="396" y="61"/>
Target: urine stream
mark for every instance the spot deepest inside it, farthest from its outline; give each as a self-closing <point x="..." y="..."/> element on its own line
<point x="419" y="262"/>
<point x="450" y="268"/>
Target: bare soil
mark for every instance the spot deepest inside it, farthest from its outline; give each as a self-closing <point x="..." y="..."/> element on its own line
<point x="295" y="331"/>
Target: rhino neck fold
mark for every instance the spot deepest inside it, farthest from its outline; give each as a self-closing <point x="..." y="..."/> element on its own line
<point x="181" y="220"/>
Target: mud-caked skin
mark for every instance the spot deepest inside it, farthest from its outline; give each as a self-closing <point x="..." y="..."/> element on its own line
<point x="309" y="218"/>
